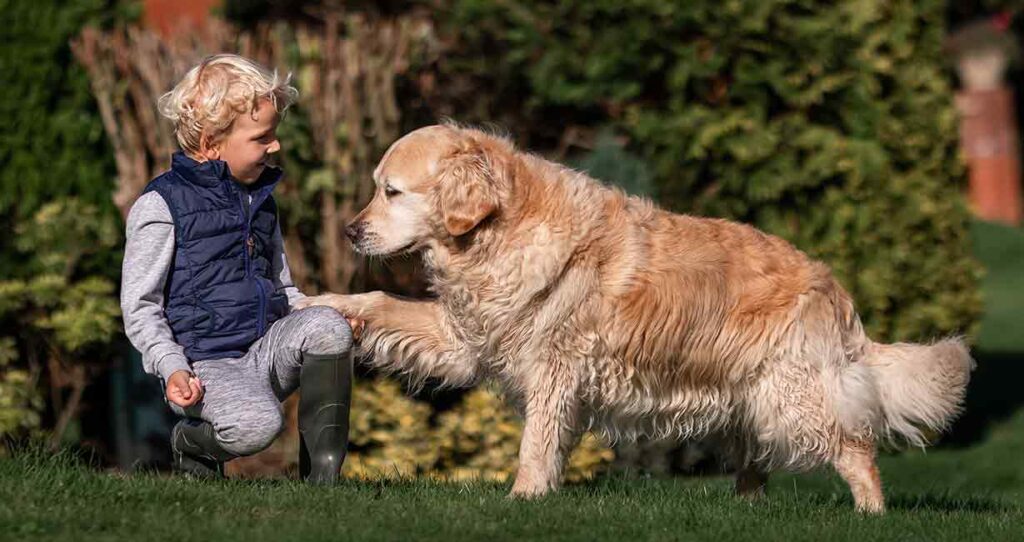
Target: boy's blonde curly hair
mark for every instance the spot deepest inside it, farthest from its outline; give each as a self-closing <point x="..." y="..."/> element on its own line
<point x="205" y="103"/>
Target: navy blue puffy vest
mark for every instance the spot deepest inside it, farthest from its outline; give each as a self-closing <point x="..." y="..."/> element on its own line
<point x="219" y="296"/>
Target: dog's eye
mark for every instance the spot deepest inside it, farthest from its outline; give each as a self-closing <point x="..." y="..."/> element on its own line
<point x="391" y="191"/>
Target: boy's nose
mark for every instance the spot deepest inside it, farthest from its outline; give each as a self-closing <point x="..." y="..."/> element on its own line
<point x="274" y="147"/>
<point x="354" y="231"/>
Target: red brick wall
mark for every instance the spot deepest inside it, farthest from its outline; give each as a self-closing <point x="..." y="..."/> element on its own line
<point x="170" y="16"/>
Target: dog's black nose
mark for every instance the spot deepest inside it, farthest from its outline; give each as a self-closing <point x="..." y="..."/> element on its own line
<point x="354" y="231"/>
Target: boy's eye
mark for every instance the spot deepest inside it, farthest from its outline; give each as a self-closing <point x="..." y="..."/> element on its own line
<point x="390" y="191"/>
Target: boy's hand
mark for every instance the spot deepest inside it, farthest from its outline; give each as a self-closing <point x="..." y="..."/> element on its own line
<point x="184" y="389"/>
<point x="329" y="300"/>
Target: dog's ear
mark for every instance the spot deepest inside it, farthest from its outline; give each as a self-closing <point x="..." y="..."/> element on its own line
<point x="466" y="188"/>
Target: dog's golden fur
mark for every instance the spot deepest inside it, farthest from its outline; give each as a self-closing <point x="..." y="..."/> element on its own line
<point x="594" y="309"/>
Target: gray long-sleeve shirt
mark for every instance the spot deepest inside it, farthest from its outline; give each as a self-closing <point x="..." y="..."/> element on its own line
<point x="148" y="257"/>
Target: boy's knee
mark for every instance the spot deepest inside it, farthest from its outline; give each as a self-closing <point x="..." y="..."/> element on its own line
<point x="253" y="432"/>
<point x="329" y="332"/>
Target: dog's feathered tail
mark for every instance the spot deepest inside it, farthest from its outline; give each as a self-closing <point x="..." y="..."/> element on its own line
<point x="920" y="387"/>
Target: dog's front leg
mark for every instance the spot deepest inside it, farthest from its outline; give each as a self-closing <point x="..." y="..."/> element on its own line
<point x="406" y="335"/>
<point x="550" y="433"/>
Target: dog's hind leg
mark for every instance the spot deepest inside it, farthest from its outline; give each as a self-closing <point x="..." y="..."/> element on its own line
<point x="751" y="481"/>
<point x="856" y="464"/>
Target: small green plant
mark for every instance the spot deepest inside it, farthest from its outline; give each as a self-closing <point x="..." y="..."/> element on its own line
<point x="63" y="316"/>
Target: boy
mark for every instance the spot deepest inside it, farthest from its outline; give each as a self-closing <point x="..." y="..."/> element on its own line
<point x="206" y="292"/>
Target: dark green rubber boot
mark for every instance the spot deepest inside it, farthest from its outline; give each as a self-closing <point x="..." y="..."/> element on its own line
<point x="196" y="451"/>
<point x="325" y="393"/>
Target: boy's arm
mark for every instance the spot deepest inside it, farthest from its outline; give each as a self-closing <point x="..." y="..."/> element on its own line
<point x="280" y="274"/>
<point x="148" y="257"/>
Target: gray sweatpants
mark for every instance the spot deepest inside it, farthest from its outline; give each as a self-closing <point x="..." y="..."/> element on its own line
<point x="242" y="396"/>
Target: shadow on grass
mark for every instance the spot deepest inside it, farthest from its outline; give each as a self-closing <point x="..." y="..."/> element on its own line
<point x="996" y="391"/>
<point x="817" y="498"/>
<point x="926" y="502"/>
<point x="947" y="504"/>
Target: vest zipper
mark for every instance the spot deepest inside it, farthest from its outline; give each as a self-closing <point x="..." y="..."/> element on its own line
<point x="250" y="249"/>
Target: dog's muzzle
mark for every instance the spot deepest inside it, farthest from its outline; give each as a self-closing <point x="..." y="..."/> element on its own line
<point x="355" y="231"/>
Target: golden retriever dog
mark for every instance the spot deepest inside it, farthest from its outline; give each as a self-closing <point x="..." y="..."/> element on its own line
<point x="597" y="310"/>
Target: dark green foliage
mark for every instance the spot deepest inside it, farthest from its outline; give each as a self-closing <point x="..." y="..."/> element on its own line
<point x="829" y="124"/>
<point x="60" y="257"/>
<point x="52" y="142"/>
<point x="612" y="164"/>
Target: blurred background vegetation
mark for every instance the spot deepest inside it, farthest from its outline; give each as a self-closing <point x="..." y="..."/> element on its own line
<point x="830" y="124"/>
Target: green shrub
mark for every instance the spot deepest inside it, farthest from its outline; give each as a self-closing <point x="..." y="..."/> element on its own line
<point x="389" y="432"/>
<point x="479" y="439"/>
<point x="52" y="142"/>
<point x="392" y="436"/>
<point x="60" y="317"/>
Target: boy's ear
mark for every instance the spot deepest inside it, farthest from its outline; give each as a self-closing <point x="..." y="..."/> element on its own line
<point x="206" y="150"/>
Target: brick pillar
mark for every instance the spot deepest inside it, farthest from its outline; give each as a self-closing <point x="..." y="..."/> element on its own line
<point x="170" y="16"/>
<point x="989" y="140"/>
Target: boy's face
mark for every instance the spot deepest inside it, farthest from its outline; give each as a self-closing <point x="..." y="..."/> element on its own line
<point x="251" y="141"/>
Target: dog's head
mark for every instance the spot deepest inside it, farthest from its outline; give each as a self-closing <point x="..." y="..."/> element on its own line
<point x="436" y="183"/>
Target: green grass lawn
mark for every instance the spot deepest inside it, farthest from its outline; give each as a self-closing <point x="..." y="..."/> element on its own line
<point x="970" y="489"/>
<point x="1001" y="250"/>
<point x="966" y="494"/>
